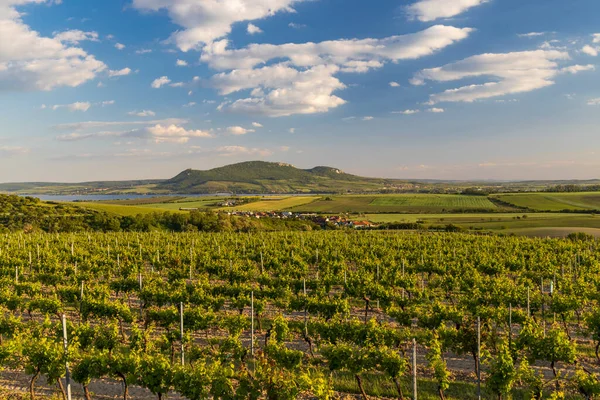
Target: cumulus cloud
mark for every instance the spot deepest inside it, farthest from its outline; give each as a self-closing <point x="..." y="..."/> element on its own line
<point x="253" y="29"/>
<point x="304" y="81"/>
<point x="511" y="73"/>
<point x="120" y="72"/>
<point x="119" y="46"/>
<point x="596" y="37"/>
<point x="143" y="113"/>
<point x="29" y="61"/>
<point x="430" y="10"/>
<point x="575" y="69"/>
<point x="368" y="118"/>
<point x="590" y="51"/>
<point x="78" y="106"/>
<point x="594" y="102"/>
<point x="436" y="110"/>
<point x="160" y="82"/>
<point x="257" y="125"/>
<point x="75" y="36"/>
<point x="208" y="20"/>
<point x="238" y="130"/>
<point x="182" y="63"/>
<point x="394" y="84"/>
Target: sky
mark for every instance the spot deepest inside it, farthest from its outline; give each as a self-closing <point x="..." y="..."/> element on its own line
<point x="440" y="89"/>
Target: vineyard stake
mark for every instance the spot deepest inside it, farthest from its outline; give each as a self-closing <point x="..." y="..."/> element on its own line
<point x="181" y="333"/>
<point x="509" y="325"/>
<point x="252" y="319"/>
<point x="81" y="291"/>
<point x="16" y="274"/>
<point x="528" y="306"/>
<point x="305" y="311"/>
<point x="414" y="360"/>
<point x="479" y="358"/>
<point x="66" y="347"/>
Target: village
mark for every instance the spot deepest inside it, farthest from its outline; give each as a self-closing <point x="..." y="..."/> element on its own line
<point x="323" y="220"/>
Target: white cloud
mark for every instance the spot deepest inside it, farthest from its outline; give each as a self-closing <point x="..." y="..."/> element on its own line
<point x="394" y="84"/>
<point x="190" y="104"/>
<point x="257" y="125"/>
<point x="292" y="130"/>
<point x="75" y="36"/>
<point x="406" y="112"/>
<point x="230" y="151"/>
<point x="78" y="106"/>
<point x="531" y="34"/>
<point x="575" y="69"/>
<point x="119" y="46"/>
<point x="253" y="29"/>
<point x="594" y="102"/>
<point x="120" y="72"/>
<point x="182" y="63"/>
<point x="160" y="82"/>
<point x="306" y="83"/>
<point x="207" y="20"/>
<point x="29" y="61"/>
<point x="436" y="110"/>
<point x="596" y="37"/>
<point x="100" y="85"/>
<point x="107" y="103"/>
<point x="344" y="53"/>
<point x="590" y="51"/>
<point x="174" y="133"/>
<point x="90" y="125"/>
<point x="7" y="151"/>
<point x="512" y="73"/>
<point x="143" y="113"/>
<point x="296" y="26"/>
<point x="430" y="10"/>
<point x="368" y="118"/>
<point x="143" y="51"/>
<point x="238" y="130"/>
<point x="156" y="133"/>
<point x="281" y="91"/>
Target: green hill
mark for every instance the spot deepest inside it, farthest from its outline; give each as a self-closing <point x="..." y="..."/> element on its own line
<point x="267" y="177"/>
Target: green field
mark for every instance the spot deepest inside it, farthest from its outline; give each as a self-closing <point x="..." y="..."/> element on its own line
<point x="553" y="201"/>
<point x="531" y="224"/>
<point x="123" y="210"/>
<point x="276" y="204"/>
<point x="400" y="203"/>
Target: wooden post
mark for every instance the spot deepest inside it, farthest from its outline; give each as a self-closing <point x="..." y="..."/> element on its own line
<point x="479" y="358"/>
<point x="66" y="347"/>
<point x="414" y="360"/>
<point x="16" y="274"/>
<point x="81" y="291"/>
<point x="181" y="333"/>
<point x="252" y="322"/>
<point x="528" y="305"/>
<point x="509" y="325"/>
<point x="305" y="311"/>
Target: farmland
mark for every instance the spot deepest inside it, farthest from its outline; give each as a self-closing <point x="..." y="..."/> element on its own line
<point x="300" y="315"/>
<point x="553" y="201"/>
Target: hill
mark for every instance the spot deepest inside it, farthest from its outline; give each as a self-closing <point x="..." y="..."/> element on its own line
<point x="267" y="177"/>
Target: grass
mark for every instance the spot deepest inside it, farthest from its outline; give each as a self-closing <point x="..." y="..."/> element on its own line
<point x="401" y="203"/>
<point x="380" y="386"/>
<point x="122" y="210"/>
<point x="553" y="201"/>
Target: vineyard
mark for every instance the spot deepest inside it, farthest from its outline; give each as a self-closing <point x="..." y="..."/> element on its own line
<point x="308" y="315"/>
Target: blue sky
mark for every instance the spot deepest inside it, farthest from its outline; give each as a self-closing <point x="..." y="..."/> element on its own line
<point x="448" y="89"/>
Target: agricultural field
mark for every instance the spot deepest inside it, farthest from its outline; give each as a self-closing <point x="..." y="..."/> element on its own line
<point x="401" y="203"/>
<point x="120" y="209"/>
<point x="300" y="315"/>
<point x="530" y="224"/>
<point x="553" y="201"/>
<point x="276" y="204"/>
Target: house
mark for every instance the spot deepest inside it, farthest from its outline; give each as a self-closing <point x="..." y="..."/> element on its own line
<point x="362" y="224"/>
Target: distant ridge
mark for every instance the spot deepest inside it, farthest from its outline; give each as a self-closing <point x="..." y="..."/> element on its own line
<point x="272" y="177"/>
